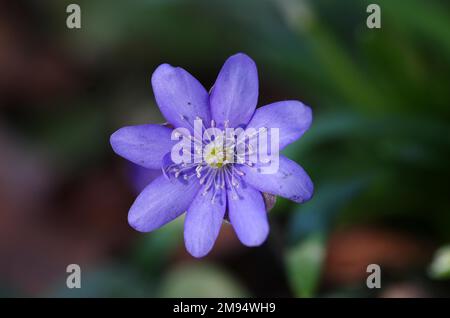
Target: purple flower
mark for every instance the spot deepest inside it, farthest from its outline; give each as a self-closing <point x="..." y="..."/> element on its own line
<point x="214" y="187"/>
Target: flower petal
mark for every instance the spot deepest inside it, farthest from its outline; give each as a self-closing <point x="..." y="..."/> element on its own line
<point x="144" y="145"/>
<point x="290" y="181"/>
<point x="203" y="221"/>
<point x="235" y="94"/>
<point x="160" y="202"/>
<point x="180" y="97"/>
<point x="292" y="118"/>
<point x="248" y="216"/>
<point x="141" y="177"/>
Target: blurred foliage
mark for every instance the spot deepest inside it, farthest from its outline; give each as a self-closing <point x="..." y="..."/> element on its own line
<point x="110" y="281"/>
<point x="304" y="262"/>
<point x="201" y="281"/>
<point x="440" y="267"/>
<point x="378" y="149"/>
<point x="152" y="253"/>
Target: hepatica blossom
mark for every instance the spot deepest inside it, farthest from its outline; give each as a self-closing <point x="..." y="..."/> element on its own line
<point x="217" y="155"/>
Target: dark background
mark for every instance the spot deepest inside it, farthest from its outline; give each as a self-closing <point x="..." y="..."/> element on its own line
<point x="378" y="149"/>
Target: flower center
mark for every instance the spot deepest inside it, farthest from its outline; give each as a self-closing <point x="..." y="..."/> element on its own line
<point x="218" y="170"/>
<point x="217" y="155"/>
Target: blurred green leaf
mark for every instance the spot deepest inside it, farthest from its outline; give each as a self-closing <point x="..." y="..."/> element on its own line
<point x="318" y="215"/>
<point x="309" y="227"/>
<point x="200" y="280"/>
<point x="440" y="266"/>
<point x="428" y="18"/>
<point x="336" y="126"/>
<point x="153" y="251"/>
<point x="304" y="264"/>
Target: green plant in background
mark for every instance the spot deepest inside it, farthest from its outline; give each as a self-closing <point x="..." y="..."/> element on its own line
<point x="201" y="280"/>
<point x="440" y="267"/>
